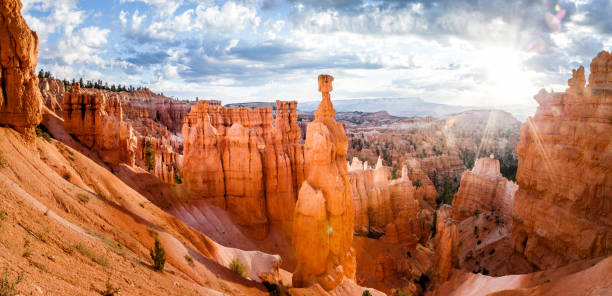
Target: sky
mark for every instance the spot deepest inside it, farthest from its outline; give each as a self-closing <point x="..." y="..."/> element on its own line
<point x="458" y="52"/>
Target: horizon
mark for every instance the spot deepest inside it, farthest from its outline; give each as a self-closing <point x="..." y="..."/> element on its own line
<point x="264" y="50"/>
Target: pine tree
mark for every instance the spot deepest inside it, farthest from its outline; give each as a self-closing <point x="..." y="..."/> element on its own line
<point x="158" y="255"/>
<point x="149" y="155"/>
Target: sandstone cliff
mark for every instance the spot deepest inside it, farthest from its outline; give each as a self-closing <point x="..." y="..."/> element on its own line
<point x="245" y="161"/>
<point x="95" y="119"/>
<point x="384" y="206"/>
<point x="323" y="216"/>
<point x="562" y="208"/>
<point x="484" y="189"/>
<point x="446" y="244"/>
<point x="52" y="91"/>
<point x="20" y="99"/>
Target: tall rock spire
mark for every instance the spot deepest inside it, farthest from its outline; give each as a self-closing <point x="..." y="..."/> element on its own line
<point x="323" y="216"/>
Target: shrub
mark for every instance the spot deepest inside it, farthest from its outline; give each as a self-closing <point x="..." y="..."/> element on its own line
<point x="149" y="155"/>
<point x="41" y="131"/>
<point x="110" y="289"/>
<point x="238" y="267"/>
<point x="189" y="259"/>
<point x="366" y="293"/>
<point x="8" y="288"/>
<point x="91" y="254"/>
<point x="83" y="198"/>
<point x="417" y="183"/>
<point x="158" y="254"/>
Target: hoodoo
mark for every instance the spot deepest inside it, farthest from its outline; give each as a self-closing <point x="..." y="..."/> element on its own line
<point x="562" y="207"/>
<point x="20" y="98"/>
<point x="323" y="216"/>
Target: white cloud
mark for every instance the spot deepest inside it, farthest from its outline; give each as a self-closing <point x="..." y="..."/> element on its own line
<point x="63" y="16"/>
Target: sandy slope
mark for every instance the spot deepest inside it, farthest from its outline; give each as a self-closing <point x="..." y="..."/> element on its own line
<point x="55" y="198"/>
<point x="589" y="277"/>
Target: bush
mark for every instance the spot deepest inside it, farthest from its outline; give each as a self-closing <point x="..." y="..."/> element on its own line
<point x="100" y="259"/>
<point x="189" y="259"/>
<point x="42" y="131"/>
<point x="417" y="183"/>
<point x="8" y="288"/>
<point x="110" y="289"/>
<point x="149" y="155"/>
<point x="238" y="267"/>
<point x="158" y="254"/>
<point x="366" y="293"/>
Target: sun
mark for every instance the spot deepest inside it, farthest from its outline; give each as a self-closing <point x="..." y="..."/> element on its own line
<point x="505" y="76"/>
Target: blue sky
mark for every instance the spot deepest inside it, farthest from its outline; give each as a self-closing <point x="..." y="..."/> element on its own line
<point x="462" y="52"/>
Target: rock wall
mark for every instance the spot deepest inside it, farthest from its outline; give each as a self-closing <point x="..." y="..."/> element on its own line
<point x="95" y="119"/>
<point x="246" y="161"/>
<point x="425" y="190"/>
<point x="446" y="244"/>
<point x="484" y="189"/>
<point x="443" y="168"/>
<point x="323" y="216"/>
<point x="52" y="91"/>
<point x="562" y="208"/>
<point x="144" y="106"/>
<point x="20" y="99"/>
<point x="383" y="205"/>
<point x="167" y="162"/>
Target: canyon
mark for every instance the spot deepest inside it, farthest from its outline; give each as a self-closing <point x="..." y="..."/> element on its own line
<point x="264" y="199"/>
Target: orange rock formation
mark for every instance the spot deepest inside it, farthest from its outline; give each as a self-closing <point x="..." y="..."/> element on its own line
<point x="385" y="206"/>
<point x="446" y="244"/>
<point x="484" y="189"/>
<point x="323" y="216"/>
<point x="245" y="161"/>
<point x="20" y="99"/>
<point x="96" y="120"/>
<point x="563" y="204"/>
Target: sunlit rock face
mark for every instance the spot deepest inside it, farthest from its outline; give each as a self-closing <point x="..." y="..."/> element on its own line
<point x="446" y="244"/>
<point x="95" y="119"/>
<point x="563" y="205"/>
<point x="143" y="107"/>
<point x="323" y="216"/>
<point x="20" y="99"/>
<point x="425" y="190"/>
<point x="245" y="161"/>
<point x="167" y="162"/>
<point x="385" y="206"/>
<point x="52" y="91"/>
<point x="484" y="189"/>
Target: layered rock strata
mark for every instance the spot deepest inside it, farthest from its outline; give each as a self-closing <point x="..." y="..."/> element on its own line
<point x="52" y="91"/>
<point x="446" y="243"/>
<point x="562" y="208"/>
<point x="323" y="216"/>
<point x="383" y="205"/>
<point x="425" y="190"/>
<point x="246" y="161"/>
<point x="96" y="121"/>
<point x="20" y="99"/>
<point x="484" y="189"/>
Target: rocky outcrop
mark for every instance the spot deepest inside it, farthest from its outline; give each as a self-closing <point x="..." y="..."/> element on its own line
<point x="383" y="205"/>
<point x="446" y="243"/>
<point x="484" y="189"/>
<point x="167" y="162"/>
<point x="425" y="190"/>
<point x="323" y="216"/>
<point x="246" y="161"/>
<point x="95" y="120"/>
<point x="20" y="99"/>
<point x="143" y="107"/>
<point x="562" y="208"/>
<point x="52" y="91"/>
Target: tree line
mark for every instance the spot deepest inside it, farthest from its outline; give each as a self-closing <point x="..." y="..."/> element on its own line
<point x="97" y="84"/>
